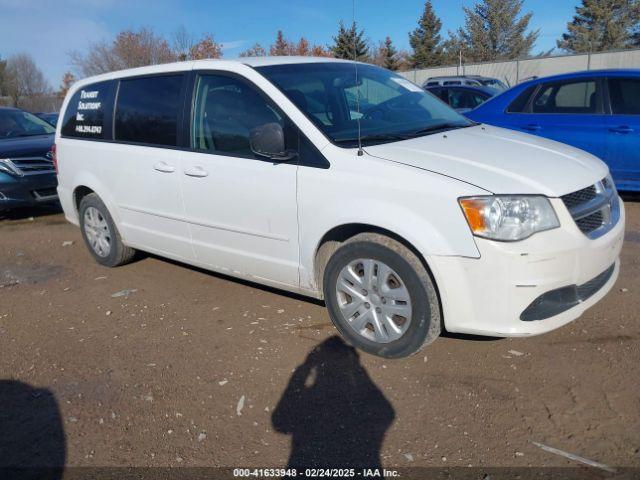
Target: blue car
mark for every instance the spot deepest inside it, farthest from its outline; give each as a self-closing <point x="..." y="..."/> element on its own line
<point x="27" y="172"/>
<point x="597" y="111"/>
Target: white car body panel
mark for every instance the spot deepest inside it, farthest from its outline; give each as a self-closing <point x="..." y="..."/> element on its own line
<point x="264" y="221"/>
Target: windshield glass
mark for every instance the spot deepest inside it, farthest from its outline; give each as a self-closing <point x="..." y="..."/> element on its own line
<point x="390" y="107"/>
<point x="16" y="123"/>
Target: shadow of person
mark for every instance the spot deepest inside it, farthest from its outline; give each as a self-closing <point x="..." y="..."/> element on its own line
<point x="32" y="441"/>
<point x="336" y="415"/>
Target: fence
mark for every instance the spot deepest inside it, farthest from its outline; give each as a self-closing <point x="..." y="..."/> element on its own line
<point x="515" y="71"/>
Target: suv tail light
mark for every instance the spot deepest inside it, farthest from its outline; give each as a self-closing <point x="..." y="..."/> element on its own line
<point x="54" y="157"/>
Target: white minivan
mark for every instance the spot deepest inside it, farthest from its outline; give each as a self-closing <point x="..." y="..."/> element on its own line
<point x="345" y="182"/>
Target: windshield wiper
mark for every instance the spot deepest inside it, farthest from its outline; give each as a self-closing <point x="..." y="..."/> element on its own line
<point x="441" y="127"/>
<point x="377" y="137"/>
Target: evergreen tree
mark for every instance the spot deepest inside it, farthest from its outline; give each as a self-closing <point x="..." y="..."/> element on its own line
<point x="389" y="55"/>
<point x="350" y="44"/>
<point x="600" y="25"/>
<point x="282" y="45"/>
<point x="495" y="30"/>
<point x="425" y="39"/>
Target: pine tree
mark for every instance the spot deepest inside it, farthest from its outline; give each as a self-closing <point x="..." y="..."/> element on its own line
<point x="425" y="40"/>
<point x="282" y="46"/>
<point x="350" y="44"/>
<point x="389" y="55"/>
<point x="495" y="30"/>
<point x="600" y="25"/>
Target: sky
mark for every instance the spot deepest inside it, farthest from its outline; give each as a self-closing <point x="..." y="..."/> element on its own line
<point x="50" y="29"/>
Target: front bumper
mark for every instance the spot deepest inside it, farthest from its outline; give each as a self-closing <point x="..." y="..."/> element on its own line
<point x="28" y="190"/>
<point x="488" y="295"/>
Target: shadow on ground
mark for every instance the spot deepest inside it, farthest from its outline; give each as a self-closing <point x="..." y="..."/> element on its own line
<point x="26" y="213"/>
<point x="32" y="440"/>
<point x="335" y="414"/>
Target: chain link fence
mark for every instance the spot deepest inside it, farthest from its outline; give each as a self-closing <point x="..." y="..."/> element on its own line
<point x="515" y="71"/>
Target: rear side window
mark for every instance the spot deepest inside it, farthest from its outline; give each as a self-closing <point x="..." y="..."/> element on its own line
<point x="520" y="103"/>
<point x="88" y="111"/>
<point x="625" y="96"/>
<point x="148" y="110"/>
<point x="567" y="97"/>
<point x="459" y="98"/>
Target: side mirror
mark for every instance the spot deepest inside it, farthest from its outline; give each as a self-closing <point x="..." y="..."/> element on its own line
<point x="268" y="141"/>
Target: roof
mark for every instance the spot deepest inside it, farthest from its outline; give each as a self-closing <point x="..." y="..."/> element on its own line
<point x="285" y="60"/>
<point x="583" y="73"/>
<point x="477" y="88"/>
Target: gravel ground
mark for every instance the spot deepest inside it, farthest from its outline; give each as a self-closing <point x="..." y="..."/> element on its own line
<point x="186" y="367"/>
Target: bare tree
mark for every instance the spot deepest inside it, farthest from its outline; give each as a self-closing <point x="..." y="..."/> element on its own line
<point x="182" y="43"/>
<point x="256" y="50"/>
<point x="128" y="50"/>
<point x="24" y="80"/>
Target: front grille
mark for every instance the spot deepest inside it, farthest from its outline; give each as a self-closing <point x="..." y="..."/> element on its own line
<point x="595" y="209"/>
<point x="591" y="222"/>
<point x="29" y="165"/>
<point x="581" y="196"/>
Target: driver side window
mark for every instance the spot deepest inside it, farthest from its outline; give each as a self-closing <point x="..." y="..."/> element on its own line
<point x="225" y="111"/>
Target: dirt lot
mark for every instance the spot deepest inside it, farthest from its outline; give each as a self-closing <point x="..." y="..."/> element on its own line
<point x="196" y="369"/>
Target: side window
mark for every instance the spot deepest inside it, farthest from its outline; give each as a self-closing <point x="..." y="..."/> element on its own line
<point x="625" y="96"/>
<point x="88" y="111"/>
<point x="452" y="82"/>
<point x="464" y="99"/>
<point x="226" y="110"/>
<point x="520" y="103"/>
<point x="148" y="110"/>
<point x="577" y="97"/>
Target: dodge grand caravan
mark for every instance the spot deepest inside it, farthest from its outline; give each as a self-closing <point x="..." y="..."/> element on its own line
<point x="344" y="182"/>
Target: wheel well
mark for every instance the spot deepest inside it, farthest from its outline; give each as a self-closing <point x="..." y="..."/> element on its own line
<point x="332" y="240"/>
<point x="79" y="193"/>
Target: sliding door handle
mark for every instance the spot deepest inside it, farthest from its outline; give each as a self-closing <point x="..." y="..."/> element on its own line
<point x="196" y="171"/>
<point x="164" y="167"/>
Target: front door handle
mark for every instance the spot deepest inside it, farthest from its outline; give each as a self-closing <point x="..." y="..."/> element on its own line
<point x="196" y="171"/>
<point x="622" y="129"/>
<point x="164" y="167"/>
<point x="532" y="127"/>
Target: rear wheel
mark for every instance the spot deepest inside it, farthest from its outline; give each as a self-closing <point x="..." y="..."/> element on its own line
<point x="380" y="296"/>
<point x="100" y="233"/>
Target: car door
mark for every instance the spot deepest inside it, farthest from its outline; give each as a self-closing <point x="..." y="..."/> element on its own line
<point x="241" y="208"/>
<point x="568" y="111"/>
<point x="623" y="135"/>
<point x="142" y="165"/>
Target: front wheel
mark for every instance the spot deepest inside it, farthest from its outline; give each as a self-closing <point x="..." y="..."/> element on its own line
<point x="380" y="297"/>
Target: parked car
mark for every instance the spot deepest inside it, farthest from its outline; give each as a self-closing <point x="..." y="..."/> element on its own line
<point x="462" y="98"/>
<point x="596" y="111"/>
<point x="27" y="175"/>
<point x="404" y="216"/>
<point x="469" y="80"/>
<point x="51" y="117"/>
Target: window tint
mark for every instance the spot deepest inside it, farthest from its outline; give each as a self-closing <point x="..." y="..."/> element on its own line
<point x="464" y="98"/>
<point x="148" y="110"/>
<point x="452" y="82"/>
<point x="225" y="111"/>
<point x="625" y="96"/>
<point x="431" y="84"/>
<point x="88" y="111"/>
<point x="520" y="103"/>
<point x="569" y="97"/>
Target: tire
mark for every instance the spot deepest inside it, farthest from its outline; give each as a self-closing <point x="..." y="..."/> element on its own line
<point x="393" y="326"/>
<point x="94" y="217"/>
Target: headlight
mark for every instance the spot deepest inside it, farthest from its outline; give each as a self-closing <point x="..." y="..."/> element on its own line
<point x="508" y="217"/>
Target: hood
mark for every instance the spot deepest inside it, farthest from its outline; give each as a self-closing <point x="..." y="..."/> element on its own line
<point x="499" y="160"/>
<point x="37" y="145"/>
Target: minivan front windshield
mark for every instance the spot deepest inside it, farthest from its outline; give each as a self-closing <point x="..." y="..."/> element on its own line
<point x="387" y="106"/>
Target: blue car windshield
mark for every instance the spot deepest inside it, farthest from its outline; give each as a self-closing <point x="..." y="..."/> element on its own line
<point x="387" y="106"/>
<point x="16" y="123"/>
